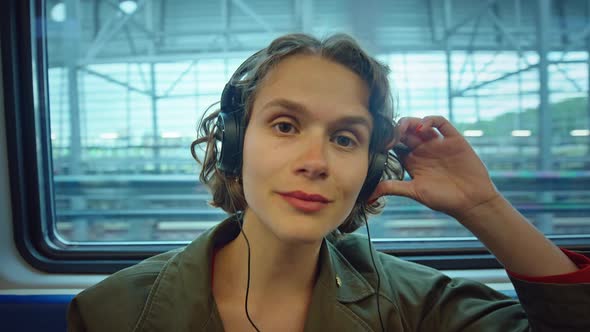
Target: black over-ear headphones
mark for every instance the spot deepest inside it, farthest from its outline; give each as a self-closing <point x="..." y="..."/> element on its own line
<point x="230" y="133"/>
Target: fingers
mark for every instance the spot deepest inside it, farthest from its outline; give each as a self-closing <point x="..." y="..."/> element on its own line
<point x="393" y="188"/>
<point x="411" y="140"/>
<point x="412" y="133"/>
<point x="415" y="131"/>
<point x="443" y="125"/>
<point x="428" y="133"/>
<point x="407" y="131"/>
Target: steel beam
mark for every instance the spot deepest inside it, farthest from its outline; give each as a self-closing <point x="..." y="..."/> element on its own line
<point x="159" y="38"/>
<point x="450" y="30"/>
<point x="109" y="29"/>
<point x="545" y="134"/>
<point x="133" y="22"/>
<point x="511" y="41"/>
<point x="447" y="13"/>
<point x="149" y="22"/>
<point x="476" y="96"/>
<point x="559" y="8"/>
<point x="134" y="52"/>
<point x="520" y="110"/>
<point x="113" y="80"/>
<point x="177" y="80"/>
<point x="431" y="25"/>
<point x="518" y="15"/>
<point x="579" y="37"/>
<point x="569" y="79"/>
<point x="190" y="55"/>
<point x="551" y="62"/>
<point x="470" y="49"/>
<point x="71" y="53"/>
<point x="225" y="34"/>
<point x="502" y="77"/>
<point x="250" y="12"/>
<point x="168" y="58"/>
<point x="304" y="15"/>
<point x="364" y="29"/>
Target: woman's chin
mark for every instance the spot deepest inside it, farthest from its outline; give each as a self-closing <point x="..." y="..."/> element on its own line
<point x="298" y="230"/>
<point x="292" y="227"/>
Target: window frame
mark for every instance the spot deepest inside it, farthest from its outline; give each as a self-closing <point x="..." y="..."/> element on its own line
<point x="27" y="129"/>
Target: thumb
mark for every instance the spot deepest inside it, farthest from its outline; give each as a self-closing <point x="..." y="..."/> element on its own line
<point x="394" y="188"/>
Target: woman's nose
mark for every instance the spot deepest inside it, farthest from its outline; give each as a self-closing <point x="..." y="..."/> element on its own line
<point x="313" y="162"/>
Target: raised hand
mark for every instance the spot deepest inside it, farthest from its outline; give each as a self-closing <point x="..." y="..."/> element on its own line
<point x="446" y="173"/>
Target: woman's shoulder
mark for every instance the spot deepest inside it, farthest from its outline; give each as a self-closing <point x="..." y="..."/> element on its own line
<point x="141" y="275"/>
<point x="120" y="297"/>
<point x="135" y="282"/>
<point x="124" y="296"/>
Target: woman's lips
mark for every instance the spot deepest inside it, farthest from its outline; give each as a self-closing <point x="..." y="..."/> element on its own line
<point x="303" y="205"/>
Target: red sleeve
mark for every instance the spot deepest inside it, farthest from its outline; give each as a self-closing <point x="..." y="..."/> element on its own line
<point x="580" y="276"/>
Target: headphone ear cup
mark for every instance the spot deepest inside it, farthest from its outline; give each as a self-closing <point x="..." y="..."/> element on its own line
<point x="229" y="159"/>
<point x="374" y="174"/>
<point x="230" y="132"/>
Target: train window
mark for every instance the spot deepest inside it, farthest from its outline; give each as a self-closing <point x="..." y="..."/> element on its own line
<point x="101" y="149"/>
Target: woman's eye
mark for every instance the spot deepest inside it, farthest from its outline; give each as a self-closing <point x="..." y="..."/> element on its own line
<point x="344" y="141"/>
<point x="284" y="127"/>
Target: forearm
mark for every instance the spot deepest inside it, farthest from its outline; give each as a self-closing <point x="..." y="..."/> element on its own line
<point x="516" y="243"/>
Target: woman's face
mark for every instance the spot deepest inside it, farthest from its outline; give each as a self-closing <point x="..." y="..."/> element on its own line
<point x="309" y="133"/>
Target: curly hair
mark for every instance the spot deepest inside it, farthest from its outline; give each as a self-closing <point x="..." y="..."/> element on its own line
<point x="227" y="191"/>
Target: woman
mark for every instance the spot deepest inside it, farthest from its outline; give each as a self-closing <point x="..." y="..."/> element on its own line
<point x="304" y="128"/>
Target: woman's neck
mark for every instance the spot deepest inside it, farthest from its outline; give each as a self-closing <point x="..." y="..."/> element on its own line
<point x="277" y="268"/>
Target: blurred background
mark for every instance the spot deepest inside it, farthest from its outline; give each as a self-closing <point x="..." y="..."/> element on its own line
<point x="128" y="82"/>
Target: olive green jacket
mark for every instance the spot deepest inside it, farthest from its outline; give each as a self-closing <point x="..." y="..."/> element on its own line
<point x="172" y="292"/>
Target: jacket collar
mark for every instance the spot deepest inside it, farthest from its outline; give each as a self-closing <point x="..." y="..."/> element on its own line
<point x="182" y="299"/>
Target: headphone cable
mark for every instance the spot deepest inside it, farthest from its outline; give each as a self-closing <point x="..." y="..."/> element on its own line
<point x="372" y="259"/>
<point x="248" y="282"/>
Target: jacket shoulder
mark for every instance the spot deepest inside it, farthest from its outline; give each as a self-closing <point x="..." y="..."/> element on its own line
<point x="356" y="249"/>
<point x="116" y="303"/>
<point x="398" y="277"/>
<point x="427" y="297"/>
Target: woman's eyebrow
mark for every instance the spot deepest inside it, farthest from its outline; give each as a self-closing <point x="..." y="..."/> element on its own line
<point x="294" y="107"/>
